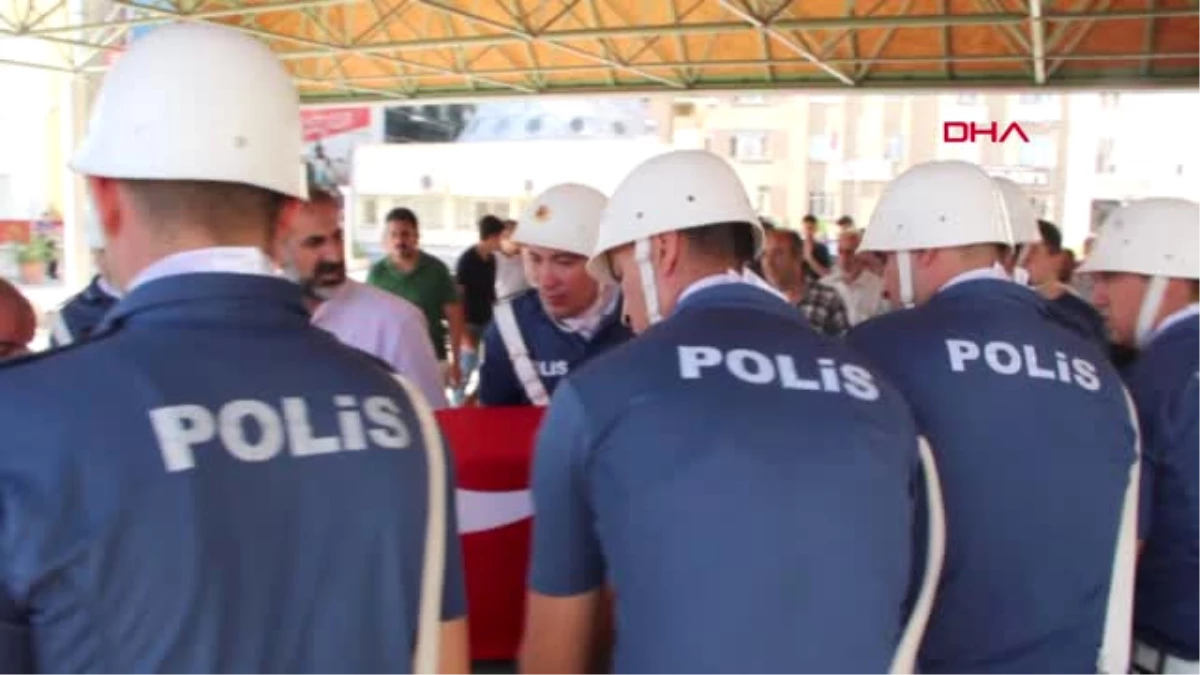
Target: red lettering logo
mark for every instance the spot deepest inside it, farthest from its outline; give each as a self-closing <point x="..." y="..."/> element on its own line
<point x="969" y="132"/>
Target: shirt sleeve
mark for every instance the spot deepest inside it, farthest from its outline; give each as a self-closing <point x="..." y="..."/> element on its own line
<point x="498" y="383"/>
<point x="462" y="270"/>
<point x="567" y="558"/>
<point x="454" y="588"/>
<point x="411" y="354"/>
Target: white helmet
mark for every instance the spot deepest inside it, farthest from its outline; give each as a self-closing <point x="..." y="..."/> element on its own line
<point x="1157" y="237"/>
<point x="563" y="218"/>
<point x="1023" y="224"/>
<point x="678" y="190"/>
<point x="197" y="101"/>
<point x="940" y="204"/>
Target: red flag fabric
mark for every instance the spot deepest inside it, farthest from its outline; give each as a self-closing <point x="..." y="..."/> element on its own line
<point x="493" y="449"/>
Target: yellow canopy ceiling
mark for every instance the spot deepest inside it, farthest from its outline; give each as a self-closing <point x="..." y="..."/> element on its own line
<point x="372" y="50"/>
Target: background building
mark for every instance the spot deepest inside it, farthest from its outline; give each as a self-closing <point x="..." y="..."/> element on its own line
<point x="832" y="155"/>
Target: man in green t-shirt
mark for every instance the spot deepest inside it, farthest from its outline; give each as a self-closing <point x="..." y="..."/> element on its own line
<point x="425" y="281"/>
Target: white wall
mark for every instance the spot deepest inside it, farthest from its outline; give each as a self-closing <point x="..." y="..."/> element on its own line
<point x="28" y="101"/>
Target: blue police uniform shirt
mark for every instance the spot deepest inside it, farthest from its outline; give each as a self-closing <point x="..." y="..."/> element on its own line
<point x="743" y="483"/>
<point x="1031" y="430"/>
<point x="554" y="351"/>
<point x="211" y="484"/>
<point x="1163" y="382"/>
<point x="85" y="310"/>
<point x="1079" y="315"/>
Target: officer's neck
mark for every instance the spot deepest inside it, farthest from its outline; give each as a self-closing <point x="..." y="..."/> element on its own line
<point x="144" y="247"/>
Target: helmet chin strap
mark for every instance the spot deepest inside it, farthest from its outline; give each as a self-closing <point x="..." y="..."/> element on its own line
<point x="1021" y="268"/>
<point x="904" y="267"/>
<point x="1151" y="304"/>
<point x="641" y="253"/>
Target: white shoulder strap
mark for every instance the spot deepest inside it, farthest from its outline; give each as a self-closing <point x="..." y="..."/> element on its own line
<point x="58" y="328"/>
<point x="518" y="354"/>
<point x="1116" y="647"/>
<point x="433" y="566"/>
<point x="905" y="659"/>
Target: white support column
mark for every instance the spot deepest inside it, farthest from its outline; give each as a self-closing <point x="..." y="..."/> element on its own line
<point x="77" y="257"/>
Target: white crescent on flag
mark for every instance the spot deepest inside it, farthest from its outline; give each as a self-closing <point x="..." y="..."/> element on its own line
<point x="479" y="511"/>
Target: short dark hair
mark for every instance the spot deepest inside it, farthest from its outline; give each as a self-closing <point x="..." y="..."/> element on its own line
<point x="1051" y="235"/>
<point x="401" y="214"/>
<point x="321" y="196"/>
<point x="490" y="226"/>
<point x="222" y="208"/>
<point x="810" y="218"/>
<point x="727" y="241"/>
<point x="845" y="220"/>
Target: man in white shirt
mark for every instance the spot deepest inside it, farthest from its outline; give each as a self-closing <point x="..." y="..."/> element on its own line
<point x="311" y="253"/>
<point x="861" y="289"/>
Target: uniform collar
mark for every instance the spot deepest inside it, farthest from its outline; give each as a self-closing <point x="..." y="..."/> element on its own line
<point x="746" y="278"/>
<point x="99" y="291"/>
<point x="993" y="273"/>
<point x="248" y="300"/>
<point x="103" y="286"/>
<point x="1191" y="312"/>
<point x="735" y="291"/>
<point x="589" y="323"/>
<point x="226" y="259"/>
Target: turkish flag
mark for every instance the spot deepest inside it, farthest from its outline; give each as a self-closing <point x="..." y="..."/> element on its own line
<point x="493" y="452"/>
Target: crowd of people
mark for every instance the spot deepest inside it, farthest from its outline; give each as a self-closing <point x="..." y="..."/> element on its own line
<point x="928" y="453"/>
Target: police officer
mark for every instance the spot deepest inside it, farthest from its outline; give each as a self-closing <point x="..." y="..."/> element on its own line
<point x="210" y="484"/>
<point x="742" y="482"/>
<point x="1030" y="426"/>
<point x="1146" y="268"/>
<point x="537" y="337"/>
<point x="80" y="315"/>
<point x="1030" y="262"/>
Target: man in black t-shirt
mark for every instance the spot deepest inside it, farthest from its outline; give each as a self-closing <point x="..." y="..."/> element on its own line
<point x="476" y="277"/>
<point x="817" y="260"/>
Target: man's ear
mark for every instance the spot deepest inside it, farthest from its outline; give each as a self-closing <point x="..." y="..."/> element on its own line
<point x="926" y="257"/>
<point x="666" y="250"/>
<point x="287" y="216"/>
<point x="107" y="202"/>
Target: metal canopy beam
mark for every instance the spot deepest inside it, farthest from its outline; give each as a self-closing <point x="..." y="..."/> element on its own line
<point x="343" y="50"/>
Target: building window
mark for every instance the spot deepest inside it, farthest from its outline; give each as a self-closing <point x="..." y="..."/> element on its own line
<point x="534" y="125"/>
<point x="370" y="211"/>
<point x="498" y="209"/>
<point x="820" y="203"/>
<point x="763" y="205"/>
<point x="1104" y="156"/>
<point x="1109" y="100"/>
<point x="577" y="125"/>
<point x="749" y="146"/>
<point x="967" y="99"/>
<point x="1039" y="152"/>
<point x="752" y="99"/>
<point x="823" y="147"/>
<point x="1042" y="206"/>
<point x="1033" y="99"/>
<point x="895" y="149"/>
